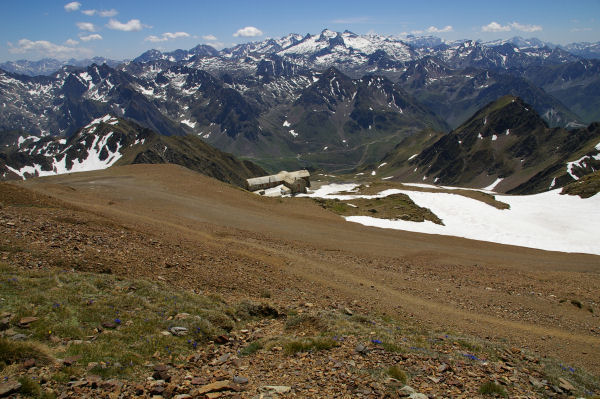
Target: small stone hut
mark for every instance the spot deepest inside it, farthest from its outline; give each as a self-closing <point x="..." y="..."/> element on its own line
<point x="296" y="181"/>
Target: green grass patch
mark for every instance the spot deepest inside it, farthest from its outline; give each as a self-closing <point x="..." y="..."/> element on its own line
<point x="252" y="348"/>
<point x="309" y="345"/>
<point x="74" y="306"/>
<point x="553" y="370"/>
<point x="17" y="351"/>
<point x="469" y="345"/>
<point x="306" y="321"/>
<point x="586" y="187"/>
<point x="392" y="347"/>
<point x="397" y="373"/>
<point x="30" y="388"/>
<point x="395" y="206"/>
<point x="491" y="388"/>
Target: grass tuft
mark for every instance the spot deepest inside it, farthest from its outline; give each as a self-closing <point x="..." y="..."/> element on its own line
<point x="30" y="388"/>
<point x="397" y="373"/>
<point x="16" y="351"/>
<point x="309" y="345"/>
<point x="491" y="388"/>
<point x="251" y="348"/>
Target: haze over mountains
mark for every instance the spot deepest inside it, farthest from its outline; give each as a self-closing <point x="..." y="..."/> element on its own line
<point x="331" y="100"/>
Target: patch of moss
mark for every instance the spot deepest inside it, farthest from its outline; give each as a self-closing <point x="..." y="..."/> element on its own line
<point x="395" y="206"/>
<point x="586" y="187"/>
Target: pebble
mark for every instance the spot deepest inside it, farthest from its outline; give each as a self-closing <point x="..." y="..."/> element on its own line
<point x="566" y="385"/>
<point x="218" y="386"/>
<point x="9" y="387"/>
<point x="276" y="388"/>
<point x="26" y="321"/>
<point x="240" y="380"/>
<point x="178" y="331"/>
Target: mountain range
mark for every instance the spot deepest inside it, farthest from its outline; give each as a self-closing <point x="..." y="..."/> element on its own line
<point x="335" y="100"/>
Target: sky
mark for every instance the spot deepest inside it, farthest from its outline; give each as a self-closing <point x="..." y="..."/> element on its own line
<point x="35" y="29"/>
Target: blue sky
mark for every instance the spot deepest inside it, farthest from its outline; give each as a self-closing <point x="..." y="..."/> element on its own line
<point x="33" y="29"/>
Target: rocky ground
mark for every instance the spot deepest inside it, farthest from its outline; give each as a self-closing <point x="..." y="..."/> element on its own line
<point x="329" y="337"/>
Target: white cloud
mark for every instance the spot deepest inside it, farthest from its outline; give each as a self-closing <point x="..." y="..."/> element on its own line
<point x="72" y="6"/>
<point x="129" y="26"/>
<point x="496" y="27"/>
<point x="248" y="31"/>
<point x="154" y="39"/>
<point x="526" y="28"/>
<point x="71" y="42"/>
<point x="88" y="26"/>
<point x="103" y="13"/>
<point x="217" y="45"/>
<point x="108" y="13"/>
<point x="209" y="37"/>
<point x="93" y="36"/>
<point x="433" y="29"/>
<point x="46" y="48"/>
<point x="175" y="35"/>
<point x="166" y="36"/>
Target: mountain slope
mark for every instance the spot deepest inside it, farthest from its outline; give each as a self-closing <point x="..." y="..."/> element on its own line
<point x="338" y="122"/>
<point x="505" y="143"/>
<point x="455" y="94"/>
<point x="109" y="141"/>
<point x="576" y="84"/>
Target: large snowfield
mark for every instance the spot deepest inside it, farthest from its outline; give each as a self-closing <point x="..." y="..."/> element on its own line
<point x="549" y="221"/>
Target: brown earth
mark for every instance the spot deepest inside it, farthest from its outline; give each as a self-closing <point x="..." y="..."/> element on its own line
<point x="195" y="232"/>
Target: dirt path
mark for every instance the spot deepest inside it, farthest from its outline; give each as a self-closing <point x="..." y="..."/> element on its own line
<point x="301" y="252"/>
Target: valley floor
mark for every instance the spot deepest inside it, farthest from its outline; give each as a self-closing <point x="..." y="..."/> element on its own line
<point x="197" y="233"/>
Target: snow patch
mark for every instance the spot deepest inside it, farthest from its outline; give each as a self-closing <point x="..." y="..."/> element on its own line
<point x="492" y="186"/>
<point x="189" y="123"/>
<point x="91" y="162"/>
<point x="535" y="221"/>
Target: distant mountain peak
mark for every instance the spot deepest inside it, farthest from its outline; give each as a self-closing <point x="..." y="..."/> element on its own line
<point x="507" y="112"/>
